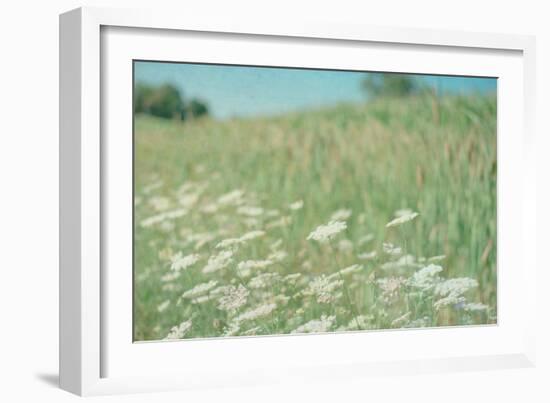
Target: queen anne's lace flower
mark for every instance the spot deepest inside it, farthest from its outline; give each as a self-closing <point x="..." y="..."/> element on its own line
<point x="199" y="289"/>
<point x="250" y="211"/>
<point x="401" y="219"/>
<point x="426" y="278"/>
<point x="324" y="289"/>
<point x="234" y="298"/>
<point x="297" y="205"/>
<point x="254" y="264"/>
<point x="323" y="324"/>
<point x="324" y="233"/>
<point x="258" y="312"/>
<point x="178" y="332"/>
<point x="263" y="280"/>
<point x="403" y="262"/>
<point x="162" y="307"/>
<point x="231" y="198"/>
<point x="367" y="255"/>
<point x="218" y="262"/>
<point x="453" y="291"/>
<point x="180" y="262"/>
<point x="341" y="215"/>
<point x="391" y="249"/>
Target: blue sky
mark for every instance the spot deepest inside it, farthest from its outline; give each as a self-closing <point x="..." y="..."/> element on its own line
<point x="262" y="91"/>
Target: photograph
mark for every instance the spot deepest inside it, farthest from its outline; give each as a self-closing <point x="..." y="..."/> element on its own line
<point x="281" y="200"/>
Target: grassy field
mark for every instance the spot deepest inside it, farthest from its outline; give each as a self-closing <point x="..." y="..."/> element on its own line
<point x="224" y="210"/>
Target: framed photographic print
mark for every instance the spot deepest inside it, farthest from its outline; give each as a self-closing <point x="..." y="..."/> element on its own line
<point x="257" y="202"/>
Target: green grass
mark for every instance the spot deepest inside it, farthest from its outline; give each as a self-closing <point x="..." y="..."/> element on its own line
<point x="434" y="156"/>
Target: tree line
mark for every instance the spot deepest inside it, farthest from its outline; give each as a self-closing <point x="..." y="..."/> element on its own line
<point x="166" y="101"/>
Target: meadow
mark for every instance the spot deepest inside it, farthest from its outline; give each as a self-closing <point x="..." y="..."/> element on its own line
<point x="353" y="217"/>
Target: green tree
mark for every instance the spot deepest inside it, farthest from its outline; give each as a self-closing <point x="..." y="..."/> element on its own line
<point x="196" y="108"/>
<point x="164" y="101"/>
<point x="390" y="85"/>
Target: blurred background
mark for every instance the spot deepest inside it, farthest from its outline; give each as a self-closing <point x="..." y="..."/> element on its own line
<point x="186" y="90"/>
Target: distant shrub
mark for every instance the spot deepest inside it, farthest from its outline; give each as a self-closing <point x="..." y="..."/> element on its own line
<point x="166" y="101"/>
<point x="196" y="108"/>
<point x="142" y="97"/>
<point x="390" y="85"/>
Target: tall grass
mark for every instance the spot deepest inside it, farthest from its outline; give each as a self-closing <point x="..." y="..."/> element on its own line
<point x="433" y="156"/>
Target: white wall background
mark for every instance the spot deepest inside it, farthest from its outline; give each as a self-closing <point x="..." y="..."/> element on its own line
<point x="29" y="187"/>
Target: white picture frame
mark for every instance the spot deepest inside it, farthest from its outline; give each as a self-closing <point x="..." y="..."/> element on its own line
<point x="93" y="348"/>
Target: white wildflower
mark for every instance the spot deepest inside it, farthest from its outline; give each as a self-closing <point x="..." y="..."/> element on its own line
<point x="277" y="256"/>
<point x="390" y="287"/>
<point x="456" y="300"/>
<point x="201" y="239"/>
<point x="365" y="239"/>
<point x="403" y="262"/>
<point x="162" y="307"/>
<point x="169" y="277"/>
<point x="436" y="258"/>
<point x="263" y="280"/>
<point x="324" y="233"/>
<point x="178" y="332"/>
<point x="425" y="278"/>
<point x="201" y="300"/>
<point x="323" y="324"/>
<point x="218" y="262"/>
<point x="391" y="249"/>
<point x="367" y="255"/>
<point x="354" y="268"/>
<point x="456" y="286"/>
<point x="250" y="211"/>
<point x="401" y="320"/>
<point x="252" y="332"/>
<point x="228" y="243"/>
<point x="159" y="203"/>
<point x="152" y="186"/>
<point x="188" y="200"/>
<point x="209" y="208"/>
<point x="150" y="221"/>
<point x="341" y="215"/>
<point x="232" y="330"/>
<point x="234" y="298"/>
<point x="452" y="291"/>
<point x="345" y="245"/>
<point x="254" y="264"/>
<point x="221" y="290"/>
<point x="252" y="235"/>
<point x="324" y="289"/>
<point x="180" y="262"/>
<point x="403" y="212"/>
<point x="281" y="222"/>
<point x="401" y="219"/>
<point x="199" y="290"/>
<point x="292" y="278"/>
<point x="297" y="205"/>
<point x="162" y="217"/>
<point x="231" y="198"/>
<point x="258" y="312"/>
